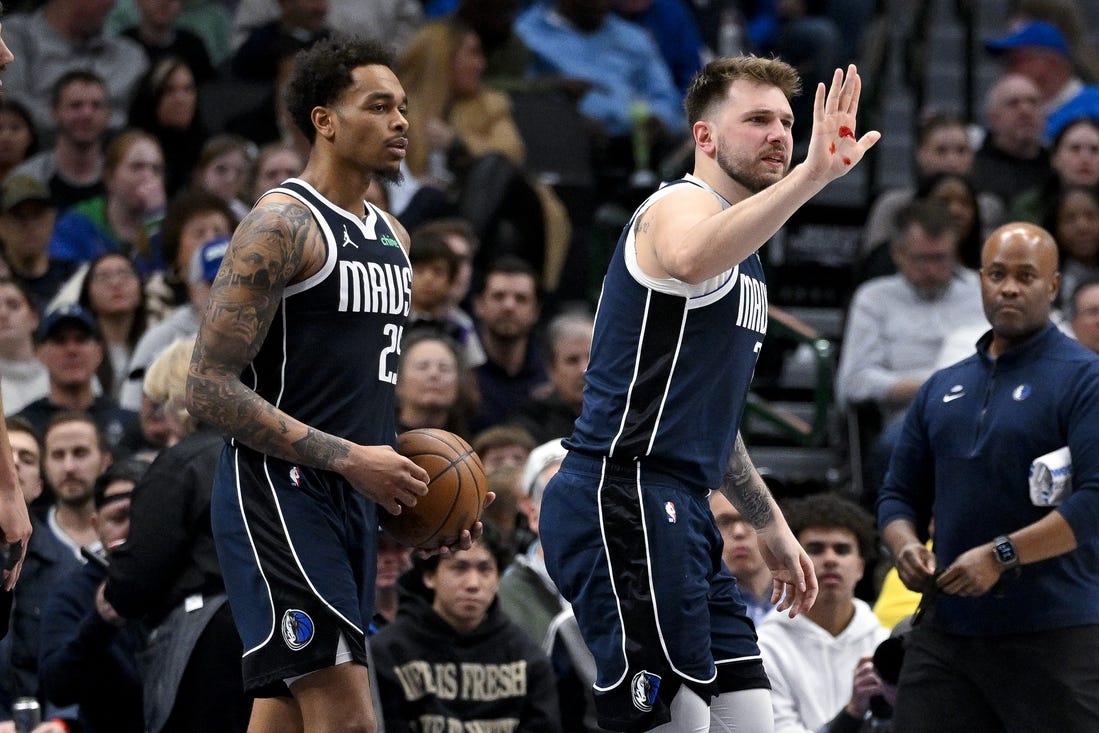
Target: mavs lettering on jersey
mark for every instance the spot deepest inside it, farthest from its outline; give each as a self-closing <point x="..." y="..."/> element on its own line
<point x="330" y="356"/>
<point x="752" y="312"/>
<point x="373" y="287"/>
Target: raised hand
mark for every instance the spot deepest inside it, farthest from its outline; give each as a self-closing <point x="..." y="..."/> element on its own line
<point x="833" y="147"/>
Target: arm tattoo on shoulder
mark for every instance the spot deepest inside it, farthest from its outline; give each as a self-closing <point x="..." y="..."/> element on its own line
<point x="744" y="488"/>
<point x="267" y="252"/>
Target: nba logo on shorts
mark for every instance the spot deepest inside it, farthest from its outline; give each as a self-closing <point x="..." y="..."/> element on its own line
<point x="297" y="629"/>
<point x="644" y="687"/>
<point x="669" y="512"/>
<point x="295" y="476"/>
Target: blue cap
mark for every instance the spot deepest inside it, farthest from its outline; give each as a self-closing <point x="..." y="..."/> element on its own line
<point x="207" y="259"/>
<point x="1030" y="35"/>
<point x="70" y="314"/>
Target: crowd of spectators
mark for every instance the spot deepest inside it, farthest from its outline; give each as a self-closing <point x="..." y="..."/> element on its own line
<point x="135" y="135"/>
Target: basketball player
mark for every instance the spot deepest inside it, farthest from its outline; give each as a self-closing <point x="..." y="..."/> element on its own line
<point x="296" y="360"/>
<point x="15" y="522"/>
<point x="626" y="526"/>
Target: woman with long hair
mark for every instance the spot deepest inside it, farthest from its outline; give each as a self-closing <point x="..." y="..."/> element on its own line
<point x="166" y="105"/>
<point x="463" y="140"/>
<point x="1073" y="161"/>
<point x="112" y="291"/>
<point x="18" y="138"/>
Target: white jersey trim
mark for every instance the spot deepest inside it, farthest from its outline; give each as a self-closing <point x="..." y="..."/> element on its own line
<point x="699" y="294"/>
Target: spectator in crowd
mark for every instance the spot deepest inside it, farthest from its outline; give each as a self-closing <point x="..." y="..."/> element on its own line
<point x="743" y="558"/>
<point x="1067" y="16"/>
<point x="502" y="445"/>
<point x="63" y="35"/>
<point x="465" y="141"/>
<point x="73" y="167"/>
<point x="1017" y="579"/>
<point x="159" y="32"/>
<point x="1083" y="313"/>
<point x="127" y="217"/>
<point x="222" y="169"/>
<point x="1039" y="51"/>
<point x="23" y="378"/>
<point x="1073" y="160"/>
<point x="75" y="454"/>
<point x="897" y="323"/>
<point x="167" y="575"/>
<point x="26" y="448"/>
<point x="956" y="194"/>
<point x="1073" y="221"/>
<point x="196" y="230"/>
<point x="531" y="600"/>
<point x="526" y="593"/>
<point x="503" y="513"/>
<point x="449" y="628"/>
<point x="553" y="407"/>
<point x="86" y="658"/>
<point x="507" y="309"/>
<point x="507" y="57"/>
<point x="300" y="24"/>
<point x="112" y="292"/>
<point x="819" y="662"/>
<point x="275" y="162"/>
<point x="390" y="21"/>
<point x="166" y="106"/>
<point x="1012" y="156"/>
<point x="70" y="344"/>
<point x="210" y="20"/>
<point x="464" y="244"/>
<point x="624" y="82"/>
<point x="18" y="138"/>
<point x="394" y="559"/>
<point x="675" y="30"/>
<point x="942" y="146"/>
<point x="434" y="269"/>
<point x="429" y="378"/>
<point x="27" y="218"/>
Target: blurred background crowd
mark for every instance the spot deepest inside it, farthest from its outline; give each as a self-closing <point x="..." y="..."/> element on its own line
<point x="135" y="135"/>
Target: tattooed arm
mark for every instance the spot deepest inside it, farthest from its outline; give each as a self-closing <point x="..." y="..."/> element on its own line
<point x="795" y="585"/>
<point x="278" y="243"/>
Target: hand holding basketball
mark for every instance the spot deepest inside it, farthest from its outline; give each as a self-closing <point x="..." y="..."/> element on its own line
<point x="455" y="496"/>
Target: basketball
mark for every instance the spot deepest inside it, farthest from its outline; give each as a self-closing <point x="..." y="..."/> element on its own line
<point x="456" y="490"/>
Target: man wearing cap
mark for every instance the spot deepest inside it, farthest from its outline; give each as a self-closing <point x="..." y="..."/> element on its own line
<point x="180" y="323"/>
<point x="1038" y="50"/>
<point x="27" y="216"/>
<point x="69" y="343"/>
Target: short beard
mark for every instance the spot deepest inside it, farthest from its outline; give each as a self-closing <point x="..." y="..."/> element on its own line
<point x="753" y="183"/>
<point x="394" y="176"/>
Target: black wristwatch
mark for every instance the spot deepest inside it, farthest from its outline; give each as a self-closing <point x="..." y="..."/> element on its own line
<point x="1004" y="550"/>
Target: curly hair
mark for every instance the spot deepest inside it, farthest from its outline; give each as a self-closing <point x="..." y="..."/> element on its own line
<point x="827" y="510"/>
<point x="323" y="72"/>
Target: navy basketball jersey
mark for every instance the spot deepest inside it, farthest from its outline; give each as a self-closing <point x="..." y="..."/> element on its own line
<point x="330" y="357"/>
<point x="671" y="363"/>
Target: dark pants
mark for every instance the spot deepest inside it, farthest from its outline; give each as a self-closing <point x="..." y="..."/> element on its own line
<point x="1042" y="681"/>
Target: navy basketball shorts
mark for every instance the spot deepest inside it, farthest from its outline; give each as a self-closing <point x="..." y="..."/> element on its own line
<point x="638" y="555"/>
<point x="297" y="547"/>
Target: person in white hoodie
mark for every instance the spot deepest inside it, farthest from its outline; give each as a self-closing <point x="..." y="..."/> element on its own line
<point x="819" y="662"/>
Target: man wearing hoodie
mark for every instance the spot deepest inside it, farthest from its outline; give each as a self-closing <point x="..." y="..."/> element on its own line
<point x="453" y="657"/>
<point x="819" y="662"/>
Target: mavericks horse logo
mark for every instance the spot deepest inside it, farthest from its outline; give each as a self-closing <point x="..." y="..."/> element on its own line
<point x="644" y="687"/>
<point x="297" y="629"/>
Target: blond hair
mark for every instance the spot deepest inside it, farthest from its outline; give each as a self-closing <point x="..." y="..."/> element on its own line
<point x="166" y="381"/>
